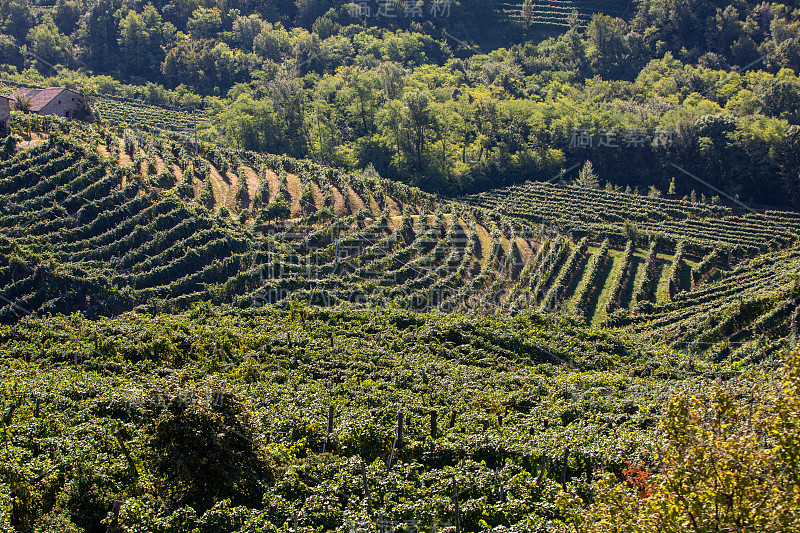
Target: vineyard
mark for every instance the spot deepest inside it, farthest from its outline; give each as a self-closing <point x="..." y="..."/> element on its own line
<point x="119" y="110"/>
<point x="106" y="221"/>
<point x="719" y="319"/>
<point x="560" y="14"/>
<point x="298" y="412"/>
<point x="597" y="212"/>
<point x="248" y="342"/>
<point x="133" y="228"/>
<point x="399" y="267"/>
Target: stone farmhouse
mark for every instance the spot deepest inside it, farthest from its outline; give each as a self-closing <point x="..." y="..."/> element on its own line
<point x="53" y="101"/>
<point x="5" y="113"/>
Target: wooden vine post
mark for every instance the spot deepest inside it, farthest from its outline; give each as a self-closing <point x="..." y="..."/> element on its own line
<point x="540" y="477"/>
<point x="336" y="249"/>
<point x="588" y="470"/>
<point x="455" y="506"/>
<point x="398" y="439"/>
<point x="125" y="451"/>
<point x="434" y="416"/>
<point x="10" y="414"/>
<point x="364" y="481"/>
<point x="399" y="429"/>
<point x="115" y="509"/>
<point x="326" y="446"/>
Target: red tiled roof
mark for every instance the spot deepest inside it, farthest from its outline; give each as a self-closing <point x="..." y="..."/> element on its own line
<point x="40" y="97"/>
<point x="27" y="93"/>
<point x="44" y="97"/>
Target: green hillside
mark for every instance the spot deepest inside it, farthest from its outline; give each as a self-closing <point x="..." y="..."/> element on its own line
<point x="142" y="345"/>
<point x="137" y="222"/>
<point x="219" y="419"/>
<point x="392" y="266"/>
<point x="561" y="13"/>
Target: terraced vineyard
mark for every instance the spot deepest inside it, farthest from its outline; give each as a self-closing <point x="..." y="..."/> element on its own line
<point x="202" y="332"/>
<point x="115" y="233"/>
<point x="133" y="112"/>
<point x="739" y="315"/>
<point x="599" y="213"/>
<point x="557" y="13"/>
<point x="99" y="222"/>
<point x="117" y="220"/>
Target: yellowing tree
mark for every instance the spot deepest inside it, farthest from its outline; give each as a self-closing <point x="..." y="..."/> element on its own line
<point x="731" y="463"/>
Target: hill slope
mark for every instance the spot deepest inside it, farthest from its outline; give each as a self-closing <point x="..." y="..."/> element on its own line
<point x="138" y="222"/>
<point x="218" y="420"/>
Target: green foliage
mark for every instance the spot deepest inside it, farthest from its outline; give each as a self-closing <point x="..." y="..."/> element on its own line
<point x="23" y="103"/>
<point x="224" y="417"/>
<point x="141" y="38"/>
<point x="100" y="36"/>
<point x="632" y="232"/>
<point x="215" y="419"/>
<point x="49" y="43"/>
<point x="277" y="210"/>
<point x="587" y="178"/>
<point x="67" y="15"/>
<point x="205" y="23"/>
<point x="301" y="79"/>
<point x="200" y="446"/>
<point x="16" y="18"/>
<point x="726" y="464"/>
<point x="9" y="147"/>
<point x="242" y="194"/>
<point x="207" y="193"/>
<point x="647" y="280"/>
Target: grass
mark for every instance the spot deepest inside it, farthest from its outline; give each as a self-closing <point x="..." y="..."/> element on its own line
<point x="613" y="264"/>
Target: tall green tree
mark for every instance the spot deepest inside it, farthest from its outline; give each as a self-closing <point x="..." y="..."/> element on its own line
<point x="608" y="48"/>
<point x="99" y="36"/>
<point x="419" y="118"/>
<point x="288" y="100"/>
<point x="142" y="38"/>
<point x="50" y="44"/>
<point x="16" y="17"/>
<point x="67" y="15"/>
<point x="205" y="23"/>
<point x="587" y="178"/>
<point x="246" y="29"/>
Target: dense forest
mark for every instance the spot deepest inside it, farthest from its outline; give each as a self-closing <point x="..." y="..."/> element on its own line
<point x="459" y="103"/>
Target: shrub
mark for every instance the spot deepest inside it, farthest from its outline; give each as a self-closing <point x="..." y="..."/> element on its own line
<point x="730" y="463"/>
<point x="200" y="444"/>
